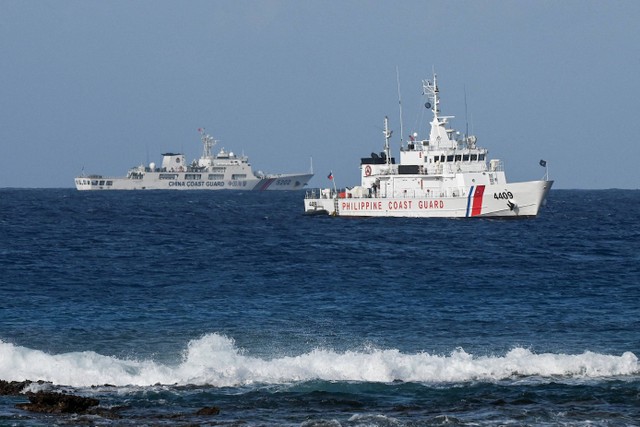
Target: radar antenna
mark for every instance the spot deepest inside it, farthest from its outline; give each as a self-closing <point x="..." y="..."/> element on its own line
<point x="431" y="90"/>
<point x="208" y="142"/>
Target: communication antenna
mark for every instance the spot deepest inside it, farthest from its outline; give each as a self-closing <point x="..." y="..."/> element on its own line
<point x="387" y="136"/>
<point x="466" y="120"/>
<point x="399" y="105"/>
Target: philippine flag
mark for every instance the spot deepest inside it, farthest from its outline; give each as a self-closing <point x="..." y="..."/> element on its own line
<point x="330" y="176"/>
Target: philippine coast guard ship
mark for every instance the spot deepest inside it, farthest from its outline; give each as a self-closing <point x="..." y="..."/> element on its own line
<point x="446" y="176"/>
<point x="224" y="170"/>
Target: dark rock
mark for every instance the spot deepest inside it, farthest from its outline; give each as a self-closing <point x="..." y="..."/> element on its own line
<point x="55" y="403"/>
<point x="208" y="410"/>
<point x="103" y="385"/>
<point x="12" y="388"/>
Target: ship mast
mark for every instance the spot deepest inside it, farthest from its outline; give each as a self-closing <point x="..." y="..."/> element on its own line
<point x="431" y="90"/>
<point x="400" y="106"/>
<point x="208" y="142"/>
<point x="387" y="136"/>
<point x="439" y="137"/>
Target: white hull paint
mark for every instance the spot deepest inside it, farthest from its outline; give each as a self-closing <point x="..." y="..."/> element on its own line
<point x="152" y="181"/>
<point x="477" y="201"/>
<point x="223" y="171"/>
<point x="445" y="176"/>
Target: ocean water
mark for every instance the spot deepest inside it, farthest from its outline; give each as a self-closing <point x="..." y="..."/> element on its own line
<point x="162" y="303"/>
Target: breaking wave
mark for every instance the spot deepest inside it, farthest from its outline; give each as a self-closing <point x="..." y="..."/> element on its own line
<point x="215" y="360"/>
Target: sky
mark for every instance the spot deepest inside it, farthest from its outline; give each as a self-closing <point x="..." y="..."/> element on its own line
<point x="103" y="86"/>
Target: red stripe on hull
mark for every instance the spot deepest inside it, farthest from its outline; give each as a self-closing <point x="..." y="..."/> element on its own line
<point x="267" y="184"/>
<point x="477" y="200"/>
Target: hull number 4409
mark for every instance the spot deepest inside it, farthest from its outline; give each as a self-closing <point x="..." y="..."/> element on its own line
<point x="505" y="195"/>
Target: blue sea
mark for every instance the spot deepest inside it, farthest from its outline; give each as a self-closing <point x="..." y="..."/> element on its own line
<point x="161" y="303"/>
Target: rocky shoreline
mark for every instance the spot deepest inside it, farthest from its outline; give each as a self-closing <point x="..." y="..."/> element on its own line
<point x="48" y="402"/>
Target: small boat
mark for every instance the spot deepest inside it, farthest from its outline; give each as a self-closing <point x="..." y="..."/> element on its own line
<point x="222" y="171"/>
<point x="446" y="176"/>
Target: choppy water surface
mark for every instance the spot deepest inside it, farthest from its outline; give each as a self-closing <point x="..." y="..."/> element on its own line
<point x="161" y="303"/>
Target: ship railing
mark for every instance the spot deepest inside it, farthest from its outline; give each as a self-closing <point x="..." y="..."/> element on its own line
<point x="327" y="193"/>
<point x="317" y="193"/>
<point x="427" y="193"/>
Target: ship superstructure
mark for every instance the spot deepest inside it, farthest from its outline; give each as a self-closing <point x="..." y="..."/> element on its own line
<point x="446" y="175"/>
<point x="224" y="170"/>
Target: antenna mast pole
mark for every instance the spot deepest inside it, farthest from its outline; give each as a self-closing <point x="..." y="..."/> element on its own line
<point x="400" y="106"/>
<point x="431" y="90"/>
<point x="466" y="120"/>
<point x="208" y="142"/>
<point x="387" y="136"/>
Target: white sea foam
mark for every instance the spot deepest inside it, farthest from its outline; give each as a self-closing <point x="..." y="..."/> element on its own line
<point x="215" y="360"/>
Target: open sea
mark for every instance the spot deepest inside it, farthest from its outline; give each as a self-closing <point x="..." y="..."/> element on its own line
<point x="161" y="303"/>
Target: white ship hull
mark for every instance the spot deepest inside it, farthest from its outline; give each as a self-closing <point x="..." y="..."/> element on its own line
<point x="152" y="181"/>
<point x="447" y="175"/>
<point x="222" y="171"/>
<point x="477" y="201"/>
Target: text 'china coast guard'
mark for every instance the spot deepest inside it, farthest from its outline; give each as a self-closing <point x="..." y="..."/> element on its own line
<point x="222" y="171"/>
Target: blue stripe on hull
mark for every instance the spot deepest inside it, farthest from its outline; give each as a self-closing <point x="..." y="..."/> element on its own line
<point x="471" y="191"/>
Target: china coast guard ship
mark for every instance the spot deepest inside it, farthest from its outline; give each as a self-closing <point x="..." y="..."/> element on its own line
<point x="221" y="171"/>
<point x="447" y="175"/>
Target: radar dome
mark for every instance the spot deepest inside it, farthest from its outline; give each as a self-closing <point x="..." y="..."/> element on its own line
<point x="152" y="165"/>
